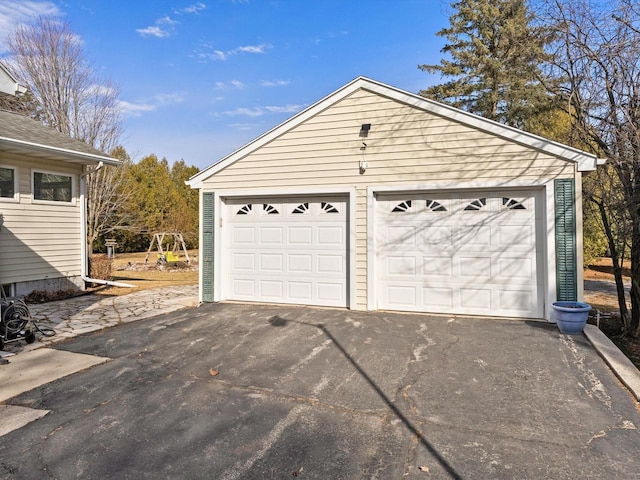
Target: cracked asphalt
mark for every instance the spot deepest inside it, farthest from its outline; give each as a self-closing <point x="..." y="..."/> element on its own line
<point x="236" y="391"/>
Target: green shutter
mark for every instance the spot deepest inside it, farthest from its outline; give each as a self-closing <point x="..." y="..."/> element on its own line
<point x="207" y="247"/>
<point x="566" y="263"/>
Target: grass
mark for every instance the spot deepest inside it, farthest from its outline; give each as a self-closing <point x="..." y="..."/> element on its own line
<point x="131" y="268"/>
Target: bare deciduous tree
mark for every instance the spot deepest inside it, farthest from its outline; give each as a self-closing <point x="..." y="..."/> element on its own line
<point x="109" y="192"/>
<point x="69" y="97"/>
<point x="598" y="59"/>
<point x="48" y="57"/>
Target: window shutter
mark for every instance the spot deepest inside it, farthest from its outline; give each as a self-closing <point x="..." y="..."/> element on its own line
<point x="566" y="265"/>
<point x="207" y="246"/>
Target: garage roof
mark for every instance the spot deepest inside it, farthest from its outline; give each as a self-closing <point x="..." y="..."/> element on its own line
<point x="23" y="135"/>
<point x="585" y="161"/>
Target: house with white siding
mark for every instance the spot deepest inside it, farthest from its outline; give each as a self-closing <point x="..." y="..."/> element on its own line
<point x="42" y="206"/>
<point x="374" y="198"/>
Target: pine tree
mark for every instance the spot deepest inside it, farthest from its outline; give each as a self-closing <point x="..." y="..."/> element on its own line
<point x="494" y="52"/>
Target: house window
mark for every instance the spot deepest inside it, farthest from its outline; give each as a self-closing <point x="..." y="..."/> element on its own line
<point x="302" y="208"/>
<point x="433" y="206"/>
<point x="512" y="204"/>
<point x="478" y="204"/>
<point x="52" y="187"/>
<point x="7" y="289"/>
<point x="269" y="209"/>
<point x="8" y="182"/>
<point x="328" y="208"/>
<point x="402" y="206"/>
<point x="245" y="210"/>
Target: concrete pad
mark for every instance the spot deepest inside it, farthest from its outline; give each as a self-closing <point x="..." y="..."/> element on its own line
<point x="38" y="367"/>
<point x="619" y="363"/>
<point x="189" y="301"/>
<point x="13" y="417"/>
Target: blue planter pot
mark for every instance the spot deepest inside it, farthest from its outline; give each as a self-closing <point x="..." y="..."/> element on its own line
<point x="571" y="316"/>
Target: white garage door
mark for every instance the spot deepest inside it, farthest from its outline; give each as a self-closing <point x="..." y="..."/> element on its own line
<point x="286" y="250"/>
<point x="470" y="254"/>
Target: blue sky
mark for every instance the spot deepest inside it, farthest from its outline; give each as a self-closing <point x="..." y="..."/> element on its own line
<point x="200" y="79"/>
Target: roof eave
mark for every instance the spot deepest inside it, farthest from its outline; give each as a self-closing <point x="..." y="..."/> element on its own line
<point x="70" y="155"/>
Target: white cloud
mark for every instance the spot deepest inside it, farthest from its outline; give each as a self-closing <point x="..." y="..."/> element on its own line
<point x="162" y="28"/>
<point x="135" y="109"/>
<point x="166" y="20"/>
<point x="275" y="83"/>
<point x="247" y="112"/>
<point x="153" y="31"/>
<point x="252" y="48"/>
<point x="212" y="55"/>
<point x="285" y="109"/>
<point x="237" y="84"/>
<point x="259" y="111"/>
<point x="17" y="12"/>
<point x="207" y="52"/>
<point x="195" y="8"/>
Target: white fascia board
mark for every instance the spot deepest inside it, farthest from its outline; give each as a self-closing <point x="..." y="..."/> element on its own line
<point x="584" y="160"/>
<point x="87" y="158"/>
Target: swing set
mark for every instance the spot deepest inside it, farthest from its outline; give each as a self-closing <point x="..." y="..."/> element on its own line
<point x="168" y="255"/>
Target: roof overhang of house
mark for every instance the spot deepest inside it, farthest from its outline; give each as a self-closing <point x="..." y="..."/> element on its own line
<point x="584" y="161"/>
<point x="11" y="145"/>
<point x="8" y="84"/>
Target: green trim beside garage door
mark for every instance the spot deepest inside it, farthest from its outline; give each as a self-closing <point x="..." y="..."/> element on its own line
<point x="207" y="246"/>
<point x="565" y="226"/>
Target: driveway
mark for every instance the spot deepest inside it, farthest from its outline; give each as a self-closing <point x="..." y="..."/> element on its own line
<point x="233" y="391"/>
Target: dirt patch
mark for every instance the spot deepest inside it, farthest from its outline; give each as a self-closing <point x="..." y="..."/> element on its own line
<point x="600" y="293"/>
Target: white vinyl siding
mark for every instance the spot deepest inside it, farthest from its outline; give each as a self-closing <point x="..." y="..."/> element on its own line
<point x="405" y="146"/>
<point x="39" y="240"/>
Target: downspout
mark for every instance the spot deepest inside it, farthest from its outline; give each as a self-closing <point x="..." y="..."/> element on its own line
<point x="83" y="235"/>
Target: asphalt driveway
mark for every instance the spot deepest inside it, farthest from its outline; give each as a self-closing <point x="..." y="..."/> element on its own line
<point x="236" y="391"/>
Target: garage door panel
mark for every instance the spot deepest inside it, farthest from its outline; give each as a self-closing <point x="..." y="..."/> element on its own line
<point x="476" y="267"/>
<point x="475" y="298"/>
<point x="438" y="266"/>
<point x="330" y="236"/>
<point x="515" y="268"/>
<point x="515" y="299"/>
<point x="441" y="298"/>
<point x="402" y="296"/>
<point x="244" y="235"/>
<point x="286" y="250"/>
<point x="271" y="235"/>
<point x="300" y="263"/>
<point x="401" y="265"/>
<point x="331" y="264"/>
<point x="399" y="234"/>
<point x="476" y="255"/>
<point x="271" y="262"/>
<point x="473" y="236"/>
<point x="330" y="292"/>
<point x="271" y="288"/>
<point x="244" y="287"/>
<point x="518" y="235"/>
<point x="437" y="235"/>
<point x="300" y="291"/>
<point x="299" y="235"/>
<point x="243" y="262"/>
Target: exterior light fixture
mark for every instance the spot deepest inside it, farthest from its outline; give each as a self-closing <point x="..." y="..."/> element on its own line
<point x="363" y="163"/>
<point x="364" y="129"/>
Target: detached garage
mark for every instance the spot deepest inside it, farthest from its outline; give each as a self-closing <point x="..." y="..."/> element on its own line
<point x="375" y="198"/>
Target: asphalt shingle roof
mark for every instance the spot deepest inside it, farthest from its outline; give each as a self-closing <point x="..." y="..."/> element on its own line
<point x="15" y="126"/>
